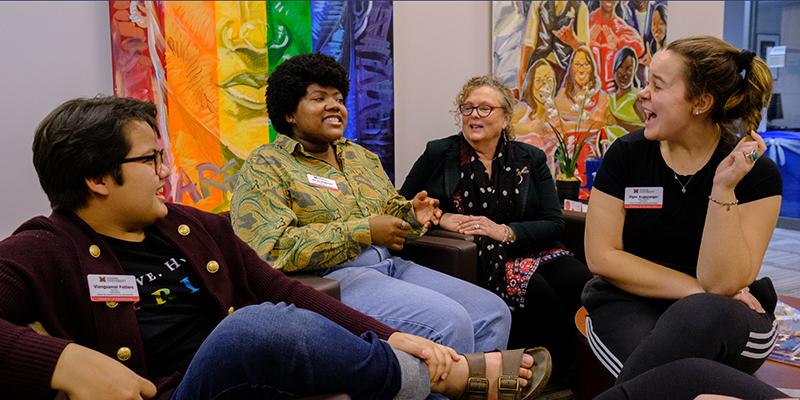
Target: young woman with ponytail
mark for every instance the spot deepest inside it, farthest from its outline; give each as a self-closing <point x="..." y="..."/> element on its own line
<point x="680" y="217"/>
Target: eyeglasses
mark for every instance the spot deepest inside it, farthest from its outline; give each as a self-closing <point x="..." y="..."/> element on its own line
<point x="584" y="65"/>
<point x="483" y="110"/>
<point x="157" y="158"/>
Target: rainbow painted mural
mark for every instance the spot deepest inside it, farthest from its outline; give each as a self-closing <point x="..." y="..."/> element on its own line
<point x="205" y="65"/>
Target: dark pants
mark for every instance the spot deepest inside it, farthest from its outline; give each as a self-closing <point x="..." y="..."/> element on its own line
<point x="641" y="333"/>
<point x="271" y="351"/>
<point x="551" y="301"/>
<point x="691" y="377"/>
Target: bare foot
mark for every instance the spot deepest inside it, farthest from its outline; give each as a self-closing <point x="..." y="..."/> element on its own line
<point x="455" y="383"/>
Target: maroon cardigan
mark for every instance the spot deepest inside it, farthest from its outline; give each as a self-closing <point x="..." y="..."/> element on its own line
<point x="43" y="269"/>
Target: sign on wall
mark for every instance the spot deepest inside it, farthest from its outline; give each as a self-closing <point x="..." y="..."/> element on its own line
<point x="205" y="65"/>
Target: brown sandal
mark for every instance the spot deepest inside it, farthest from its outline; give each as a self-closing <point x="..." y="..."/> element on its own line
<point x="508" y="385"/>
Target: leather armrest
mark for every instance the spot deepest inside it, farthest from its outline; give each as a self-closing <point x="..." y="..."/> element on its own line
<point x="449" y="234"/>
<point x="572" y="238"/>
<point x="453" y="256"/>
<point x="324" y="285"/>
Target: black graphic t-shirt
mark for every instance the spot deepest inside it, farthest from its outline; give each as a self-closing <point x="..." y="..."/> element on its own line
<point x="175" y="312"/>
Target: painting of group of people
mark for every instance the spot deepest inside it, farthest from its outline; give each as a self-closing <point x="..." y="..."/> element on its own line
<point x="577" y="67"/>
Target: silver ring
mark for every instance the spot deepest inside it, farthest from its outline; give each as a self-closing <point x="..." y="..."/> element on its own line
<point x="753" y="155"/>
<point x="477" y="226"/>
<point x="403" y="225"/>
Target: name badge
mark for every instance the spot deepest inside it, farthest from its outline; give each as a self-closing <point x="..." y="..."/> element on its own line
<point x="322" y="182"/>
<point x="113" y="288"/>
<point x="644" y="197"/>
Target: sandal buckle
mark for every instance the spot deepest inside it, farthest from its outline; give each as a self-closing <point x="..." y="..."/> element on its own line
<point x="508" y="383"/>
<point x="478" y="385"/>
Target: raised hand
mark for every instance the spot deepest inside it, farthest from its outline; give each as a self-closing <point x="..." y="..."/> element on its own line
<point x="739" y="162"/>
<point x="426" y="209"/>
<point x="566" y="35"/>
<point x="612" y="40"/>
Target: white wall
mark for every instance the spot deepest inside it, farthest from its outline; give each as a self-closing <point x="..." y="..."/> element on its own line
<point x="54" y="51"/>
<point x="50" y="52"/>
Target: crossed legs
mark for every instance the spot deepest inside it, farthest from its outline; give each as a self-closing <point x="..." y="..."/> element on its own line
<point x="279" y="351"/>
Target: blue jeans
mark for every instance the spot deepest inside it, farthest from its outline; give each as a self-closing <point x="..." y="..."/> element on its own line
<point x="423" y="302"/>
<point x="271" y="351"/>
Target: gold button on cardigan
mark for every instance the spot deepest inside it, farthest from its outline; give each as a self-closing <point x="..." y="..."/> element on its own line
<point x="212" y="266"/>
<point x="124" y="353"/>
<point x="94" y="250"/>
<point x="184" y="230"/>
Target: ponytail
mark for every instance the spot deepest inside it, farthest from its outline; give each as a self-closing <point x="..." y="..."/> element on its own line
<point x="739" y="82"/>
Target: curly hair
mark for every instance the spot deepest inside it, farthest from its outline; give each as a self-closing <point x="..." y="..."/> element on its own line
<point x="85" y="138"/>
<point x="290" y="80"/>
<point x="739" y="92"/>
<point x="506" y="98"/>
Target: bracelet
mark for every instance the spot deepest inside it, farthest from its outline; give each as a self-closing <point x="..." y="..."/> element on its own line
<point x="510" y="236"/>
<point x="733" y="203"/>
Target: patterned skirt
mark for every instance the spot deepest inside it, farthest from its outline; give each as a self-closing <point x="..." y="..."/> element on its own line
<point x="520" y="270"/>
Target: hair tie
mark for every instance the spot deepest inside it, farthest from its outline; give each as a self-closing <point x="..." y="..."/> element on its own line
<point x="744" y="59"/>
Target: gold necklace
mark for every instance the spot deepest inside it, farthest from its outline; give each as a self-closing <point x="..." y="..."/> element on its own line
<point x="683" y="185"/>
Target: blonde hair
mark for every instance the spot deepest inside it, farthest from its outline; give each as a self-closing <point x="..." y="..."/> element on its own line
<point x="492" y="81"/>
<point x="739" y="82"/>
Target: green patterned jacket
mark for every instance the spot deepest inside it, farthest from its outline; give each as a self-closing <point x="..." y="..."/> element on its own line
<point x="295" y="225"/>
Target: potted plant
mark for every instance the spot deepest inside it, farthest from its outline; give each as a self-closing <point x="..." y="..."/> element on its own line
<point x="568" y="148"/>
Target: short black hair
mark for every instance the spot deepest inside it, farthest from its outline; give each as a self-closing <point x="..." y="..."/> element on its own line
<point x="290" y="80"/>
<point x="85" y="138"/>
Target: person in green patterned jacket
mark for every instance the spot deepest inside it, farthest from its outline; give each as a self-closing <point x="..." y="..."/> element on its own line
<point x="316" y="202"/>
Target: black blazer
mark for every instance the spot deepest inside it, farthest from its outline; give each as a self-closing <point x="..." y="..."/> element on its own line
<point x="438" y="172"/>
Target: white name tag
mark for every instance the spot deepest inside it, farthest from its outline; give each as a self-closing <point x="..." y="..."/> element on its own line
<point x="113" y="288"/>
<point x="322" y="182"/>
<point x="644" y="197"/>
<point x="573" y="205"/>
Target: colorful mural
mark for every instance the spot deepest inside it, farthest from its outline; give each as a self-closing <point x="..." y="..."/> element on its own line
<point x="577" y="65"/>
<point x="205" y="65"/>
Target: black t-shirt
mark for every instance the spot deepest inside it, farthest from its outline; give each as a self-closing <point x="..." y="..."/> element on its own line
<point x="672" y="234"/>
<point x="175" y="312"/>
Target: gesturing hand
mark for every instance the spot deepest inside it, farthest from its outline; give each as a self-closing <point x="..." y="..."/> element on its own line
<point x="426" y="209"/>
<point x="612" y="40"/>
<point x="737" y="164"/>
<point x="86" y="374"/>
<point x="389" y="231"/>
<point x="566" y="35"/>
